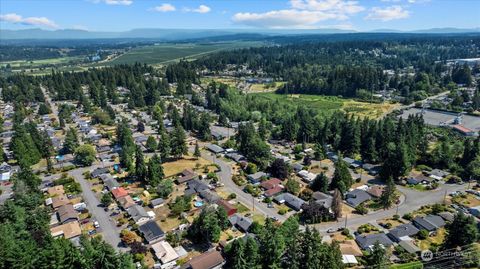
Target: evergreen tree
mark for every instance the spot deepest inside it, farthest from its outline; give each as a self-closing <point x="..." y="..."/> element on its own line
<point x="151" y="144"/>
<point x="378" y="257"/>
<point x="164" y="146"/>
<point x="342" y="179"/>
<point x="178" y="144"/>
<point x="388" y="196"/>
<point x="197" y="153"/>
<point x="154" y="171"/>
<point x="337" y="204"/>
<point x="140" y="168"/>
<point x="71" y="141"/>
<point x="320" y="183"/>
<point x="461" y="232"/>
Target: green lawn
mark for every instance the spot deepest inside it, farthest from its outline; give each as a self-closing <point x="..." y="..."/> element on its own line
<point x="329" y="104"/>
<point x="165" y="53"/>
<point x="410" y="265"/>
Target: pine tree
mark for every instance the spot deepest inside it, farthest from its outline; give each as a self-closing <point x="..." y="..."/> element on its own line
<point x="388" y="196"/>
<point x="239" y="259"/>
<point x="151" y="144"/>
<point x="71" y="141"/>
<point x="337" y="204"/>
<point x="197" y="153"/>
<point x="164" y="146"/>
<point x="154" y="171"/>
<point x="140" y="168"/>
<point x="178" y="143"/>
<point x="342" y="179"/>
<point x="320" y="183"/>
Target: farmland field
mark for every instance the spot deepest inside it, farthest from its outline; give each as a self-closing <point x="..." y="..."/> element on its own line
<point x="164" y="53"/>
<point x="332" y="103"/>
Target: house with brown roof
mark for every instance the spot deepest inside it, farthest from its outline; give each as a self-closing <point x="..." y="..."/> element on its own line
<point x="186" y="175"/>
<point x="350" y="247"/>
<point x="66" y="213"/>
<point x="67" y="230"/>
<point x="126" y="202"/>
<point x="272" y="192"/>
<point x="208" y="260"/>
<point x="59" y="201"/>
<point x="271" y="183"/>
<point x="56" y="190"/>
<point x="119" y="192"/>
<point x="375" y="191"/>
<point x="229" y="208"/>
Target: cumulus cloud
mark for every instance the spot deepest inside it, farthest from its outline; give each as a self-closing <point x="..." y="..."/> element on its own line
<point x="37" y="21"/>
<point x="199" y="9"/>
<point x="302" y="14"/>
<point x="388" y="13"/>
<point x="164" y="8"/>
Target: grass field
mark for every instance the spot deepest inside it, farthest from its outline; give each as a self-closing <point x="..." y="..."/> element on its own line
<point x="331" y="103"/>
<point x="165" y="53"/>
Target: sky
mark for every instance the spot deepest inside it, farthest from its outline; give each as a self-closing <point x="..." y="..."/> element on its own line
<point x="123" y="15"/>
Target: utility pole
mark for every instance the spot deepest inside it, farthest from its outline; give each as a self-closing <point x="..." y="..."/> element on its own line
<point x="396" y="212"/>
<point x="346" y="218"/>
<point x="253" y="204"/>
<point x="445" y="198"/>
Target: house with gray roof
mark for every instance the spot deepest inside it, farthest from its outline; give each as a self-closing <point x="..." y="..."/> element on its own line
<point x="235" y="157"/>
<point x="98" y="172"/>
<point x="403" y="230"/>
<point x="255" y="178"/>
<point x="215" y="148"/>
<point x="209" y="196"/>
<point x="352" y="163"/>
<point x="109" y="182"/>
<point x="323" y="199"/>
<point x="156" y="203"/>
<point x="138" y="214"/>
<point x="195" y="186"/>
<point x="429" y="222"/>
<point x="151" y="231"/>
<point x="367" y="241"/>
<point x="356" y="197"/>
<point x="240" y="221"/>
<point x="290" y="200"/>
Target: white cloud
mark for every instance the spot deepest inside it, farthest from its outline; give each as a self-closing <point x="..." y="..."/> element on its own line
<point x="118" y="2"/>
<point x="337" y="6"/>
<point x="302" y="14"/>
<point x="199" y="9"/>
<point x="164" y="8"/>
<point x="80" y="27"/>
<point x="37" y="21"/>
<point x="388" y="13"/>
<point x="288" y="18"/>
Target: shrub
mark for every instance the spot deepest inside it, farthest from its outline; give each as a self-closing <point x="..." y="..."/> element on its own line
<point x="408" y="216"/>
<point x="361" y="209"/>
<point x="282" y="211"/>
<point x="422" y="234"/>
<point x="232" y="196"/>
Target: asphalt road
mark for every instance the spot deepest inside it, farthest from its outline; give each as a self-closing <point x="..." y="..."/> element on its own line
<point x="412" y="200"/>
<point x="225" y="176"/>
<point x="108" y="228"/>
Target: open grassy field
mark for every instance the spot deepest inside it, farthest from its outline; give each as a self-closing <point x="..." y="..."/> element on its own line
<point x="165" y="53"/>
<point x="329" y="104"/>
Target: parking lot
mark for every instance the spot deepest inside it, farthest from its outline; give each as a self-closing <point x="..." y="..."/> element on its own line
<point x="441" y="118"/>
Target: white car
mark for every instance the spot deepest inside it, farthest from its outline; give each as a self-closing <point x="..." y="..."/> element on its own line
<point x="96" y="224"/>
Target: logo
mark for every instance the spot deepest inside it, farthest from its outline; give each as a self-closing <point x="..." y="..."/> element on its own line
<point x="426" y="255"/>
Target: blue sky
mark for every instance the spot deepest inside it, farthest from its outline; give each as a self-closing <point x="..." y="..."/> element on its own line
<point x="121" y="15"/>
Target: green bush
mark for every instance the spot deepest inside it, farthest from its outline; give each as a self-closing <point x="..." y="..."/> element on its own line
<point x="408" y="216"/>
<point x="422" y="234"/>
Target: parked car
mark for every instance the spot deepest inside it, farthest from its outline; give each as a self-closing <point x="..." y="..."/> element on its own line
<point x="96" y="224"/>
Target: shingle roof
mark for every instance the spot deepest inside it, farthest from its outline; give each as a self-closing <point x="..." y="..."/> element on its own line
<point x="151" y="231"/>
<point x="207" y="260"/>
<point x="240" y="221"/>
<point x="366" y="241"/>
<point x="402" y="230"/>
<point x="429" y="222"/>
<point x="356" y="197"/>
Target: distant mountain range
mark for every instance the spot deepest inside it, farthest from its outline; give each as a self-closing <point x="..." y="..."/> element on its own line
<point x="179" y="34"/>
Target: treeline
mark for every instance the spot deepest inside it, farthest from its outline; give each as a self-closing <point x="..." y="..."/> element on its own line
<point x="346" y="67"/>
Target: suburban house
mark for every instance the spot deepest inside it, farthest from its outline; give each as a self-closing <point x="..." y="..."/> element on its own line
<point x="99" y="171"/>
<point x="5" y="172"/>
<point x="306" y="176"/>
<point x="68" y="230"/>
<point x="256" y="178"/>
<point x="235" y="157"/>
<point x="429" y="222"/>
<point x="215" y="148"/>
<point x="138" y="214"/>
<point x="297" y="167"/>
<point x="119" y="192"/>
<point x="274" y="191"/>
<point x="409" y="246"/>
<point x="156" y="203"/>
<point x="195" y="186"/>
<point x="290" y="200"/>
<point x="186" y="175"/>
<point x="166" y="254"/>
<point x="126" y="202"/>
<point x="271" y="183"/>
<point x="241" y="222"/>
<point x="367" y="241"/>
<point x="209" y="196"/>
<point x="352" y="163"/>
<point x="371" y="168"/>
<point x="109" y="182"/>
<point x="323" y="199"/>
<point x="56" y="191"/>
<point x="151" y="231"/>
<point x="438" y="174"/>
<point x="475" y="211"/>
<point x="375" y="191"/>
<point x="356" y="197"/>
<point x="229" y="208"/>
<point x="217" y="135"/>
<point x="59" y="201"/>
<point x="66" y="213"/>
<point x="398" y="233"/>
<point x="208" y="260"/>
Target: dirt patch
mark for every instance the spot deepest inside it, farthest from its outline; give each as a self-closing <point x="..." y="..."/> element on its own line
<point x="176" y="167"/>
